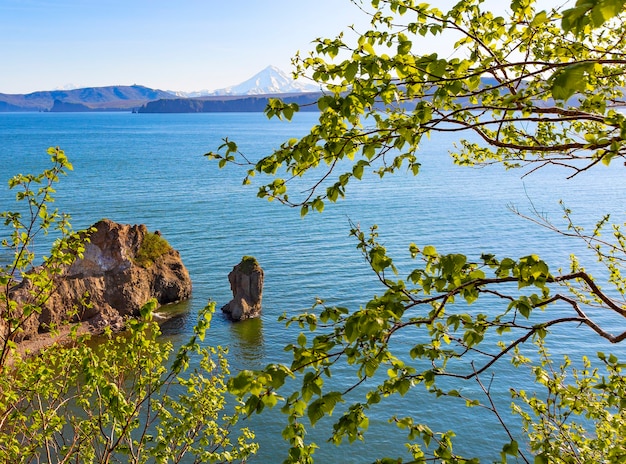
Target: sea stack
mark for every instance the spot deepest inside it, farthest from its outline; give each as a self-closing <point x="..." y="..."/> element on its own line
<point x="246" y="283"/>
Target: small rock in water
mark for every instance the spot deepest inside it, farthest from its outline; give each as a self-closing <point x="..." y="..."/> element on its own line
<point x="246" y="283"/>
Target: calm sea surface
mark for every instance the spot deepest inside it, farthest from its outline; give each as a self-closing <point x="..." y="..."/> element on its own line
<point x="149" y="169"/>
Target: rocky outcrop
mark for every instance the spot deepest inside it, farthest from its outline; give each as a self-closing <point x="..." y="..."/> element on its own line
<point x="122" y="268"/>
<point x="228" y="104"/>
<point x="246" y="283"/>
<point x="68" y="107"/>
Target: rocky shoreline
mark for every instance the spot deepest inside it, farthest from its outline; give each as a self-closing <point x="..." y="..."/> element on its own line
<point x="122" y="268"/>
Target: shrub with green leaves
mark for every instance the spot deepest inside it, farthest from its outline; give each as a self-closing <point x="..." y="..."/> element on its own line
<point x="582" y="418"/>
<point x="120" y="400"/>
<point x="128" y="397"/>
<point x="152" y="247"/>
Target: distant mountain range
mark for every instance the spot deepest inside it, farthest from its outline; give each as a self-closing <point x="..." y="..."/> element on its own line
<point x="251" y="95"/>
<point x="113" y="98"/>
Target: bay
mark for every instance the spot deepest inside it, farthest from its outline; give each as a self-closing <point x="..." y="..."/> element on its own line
<point x="149" y="169"/>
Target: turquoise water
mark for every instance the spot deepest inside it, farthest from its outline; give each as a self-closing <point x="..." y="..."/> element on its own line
<point x="150" y="169"/>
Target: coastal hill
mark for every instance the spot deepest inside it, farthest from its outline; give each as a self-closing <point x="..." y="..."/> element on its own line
<point x="250" y="95"/>
<point x="229" y="103"/>
<point x="112" y="98"/>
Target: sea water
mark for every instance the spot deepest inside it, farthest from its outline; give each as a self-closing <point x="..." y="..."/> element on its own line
<point x="149" y="169"/>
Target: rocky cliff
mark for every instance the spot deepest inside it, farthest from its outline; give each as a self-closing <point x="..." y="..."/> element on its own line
<point x="122" y="268"/>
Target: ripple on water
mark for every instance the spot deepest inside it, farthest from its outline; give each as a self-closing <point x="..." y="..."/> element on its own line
<point x="150" y="169"/>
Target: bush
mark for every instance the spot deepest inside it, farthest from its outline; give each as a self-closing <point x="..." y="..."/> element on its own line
<point x="247" y="265"/>
<point x="129" y="398"/>
<point x="151" y="249"/>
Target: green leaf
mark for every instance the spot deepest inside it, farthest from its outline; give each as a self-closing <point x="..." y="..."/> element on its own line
<point x="379" y="259"/>
<point x="429" y="251"/>
<point x="540" y="18"/>
<point x="511" y="448"/>
<point x="315" y="411"/>
<point x="404" y="47"/>
<point x="570" y="80"/>
<point x="367" y="48"/>
<point x="352" y="68"/>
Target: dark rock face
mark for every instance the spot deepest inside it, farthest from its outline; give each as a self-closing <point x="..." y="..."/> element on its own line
<point x="228" y="103"/>
<point x="246" y="283"/>
<point x="106" y="286"/>
<point x="67" y="107"/>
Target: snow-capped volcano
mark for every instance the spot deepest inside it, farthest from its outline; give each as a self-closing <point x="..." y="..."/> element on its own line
<point x="269" y="80"/>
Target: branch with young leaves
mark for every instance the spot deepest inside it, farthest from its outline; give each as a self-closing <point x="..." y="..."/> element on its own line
<point x="434" y="307"/>
<point x="555" y="106"/>
<point x="529" y="89"/>
<point x="34" y="220"/>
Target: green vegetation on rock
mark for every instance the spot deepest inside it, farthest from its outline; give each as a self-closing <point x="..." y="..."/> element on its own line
<point x="248" y="264"/>
<point x="152" y="247"/>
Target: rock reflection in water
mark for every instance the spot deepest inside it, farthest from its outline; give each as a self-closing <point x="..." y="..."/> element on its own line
<point x="247" y="346"/>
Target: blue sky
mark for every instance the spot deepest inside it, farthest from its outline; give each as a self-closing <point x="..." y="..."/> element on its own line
<point x="170" y="45"/>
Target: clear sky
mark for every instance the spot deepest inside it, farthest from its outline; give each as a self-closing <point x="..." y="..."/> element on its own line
<point x="170" y="45"/>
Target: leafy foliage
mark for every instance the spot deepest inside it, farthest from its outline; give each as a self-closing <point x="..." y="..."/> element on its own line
<point x="535" y="88"/>
<point x="597" y="400"/>
<point x="116" y="401"/>
<point x="126" y="398"/>
<point x="27" y="225"/>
